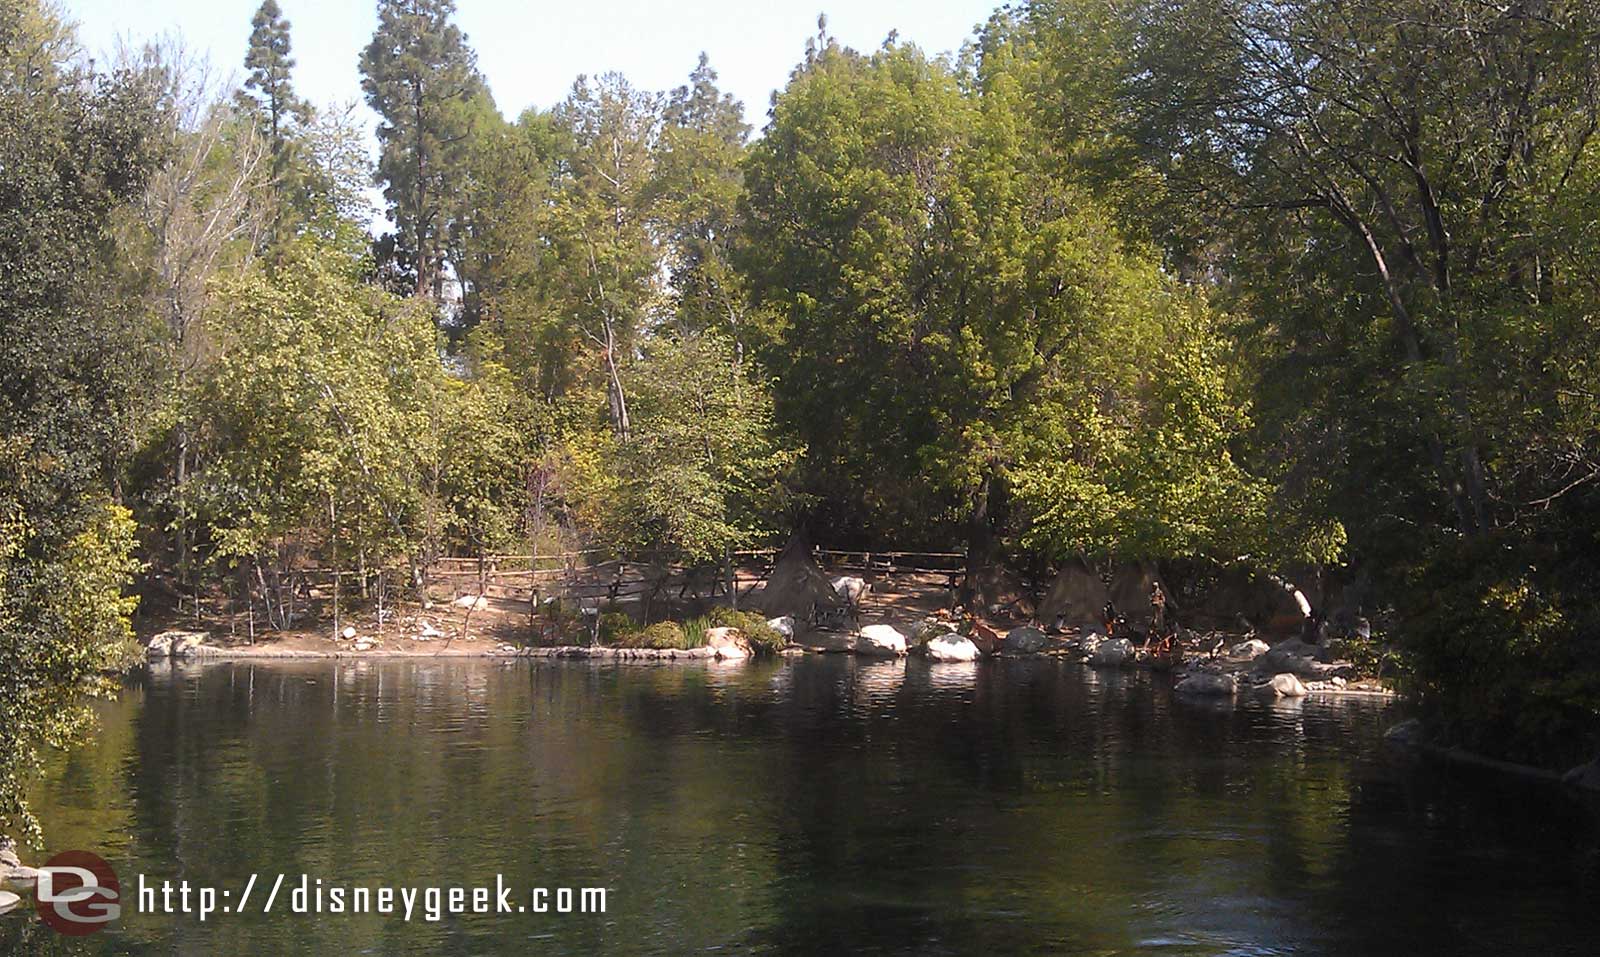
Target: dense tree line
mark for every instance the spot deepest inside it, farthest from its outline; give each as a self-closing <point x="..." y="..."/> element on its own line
<point x="1232" y="282"/>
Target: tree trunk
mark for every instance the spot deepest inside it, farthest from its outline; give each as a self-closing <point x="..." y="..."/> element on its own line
<point x="982" y="545"/>
<point x="333" y="560"/>
<point x="618" y="399"/>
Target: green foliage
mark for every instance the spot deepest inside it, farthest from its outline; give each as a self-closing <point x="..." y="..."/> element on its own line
<point x="618" y="628"/>
<point x="63" y="625"/>
<point x="693" y="631"/>
<point x="694" y="201"/>
<point x="74" y="148"/>
<point x="697" y="475"/>
<point x="763" y="637"/>
<point x="268" y="87"/>
<point x="662" y="635"/>
<point x="326" y="391"/>
<point x="421" y="77"/>
<point x="1504" y="641"/>
<point x="971" y="340"/>
<point x="1398" y="197"/>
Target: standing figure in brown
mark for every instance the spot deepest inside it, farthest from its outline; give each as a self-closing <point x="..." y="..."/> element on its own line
<point x="1158" y="622"/>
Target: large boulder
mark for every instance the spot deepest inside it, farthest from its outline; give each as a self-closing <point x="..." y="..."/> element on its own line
<point x="1112" y="653"/>
<point x="1207" y="683"/>
<point x="783" y="625"/>
<point x="1293" y="657"/>
<point x="728" y="643"/>
<point x="472" y="602"/>
<point x="951" y="647"/>
<point x="1250" y="650"/>
<point x="1287" y="686"/>
<point x="881" y="641"/>
<point x="176" y="644"/>
<point x="1025" y="640"/>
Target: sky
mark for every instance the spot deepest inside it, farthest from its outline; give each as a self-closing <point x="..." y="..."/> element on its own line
<point x="531" y="52"/>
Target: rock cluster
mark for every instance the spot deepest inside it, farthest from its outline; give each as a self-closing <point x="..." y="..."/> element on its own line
<point x="178" y="644"/>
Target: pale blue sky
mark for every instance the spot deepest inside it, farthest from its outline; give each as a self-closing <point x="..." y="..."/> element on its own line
<point x="531" y="52"/>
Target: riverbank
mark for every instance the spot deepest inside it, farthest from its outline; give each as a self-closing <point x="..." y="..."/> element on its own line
<point x="1203" y="666"/>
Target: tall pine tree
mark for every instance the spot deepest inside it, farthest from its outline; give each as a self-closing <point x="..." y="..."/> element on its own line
<point x="268" y="89"/>
<point x="422" y="78"/>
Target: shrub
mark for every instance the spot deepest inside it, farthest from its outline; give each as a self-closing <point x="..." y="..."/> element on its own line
<point x="763" y="637"/>
<point x="662" y="634"/>
<point x="617" y="628"/>
<point x="1505" y="641"/>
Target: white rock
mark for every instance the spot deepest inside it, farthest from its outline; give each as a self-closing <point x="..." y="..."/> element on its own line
<point x="783" y="626"/>
<point x="1112" y="653"/>
<point x="191" y="645"/>
<point x="474" y="602"/>
<point x="18" y="877"/>
<point x="1287" y="686"/>
<point x="364" y="644"/>
<point x="1254" y="648"/>
<point x="349" y="632"/>
<point x="728" y="643"/>
<point x="951" y="647"/>
<point x="175" y="644"/>
<point x="882" y="641"/>
<point x="1206" y="683"/>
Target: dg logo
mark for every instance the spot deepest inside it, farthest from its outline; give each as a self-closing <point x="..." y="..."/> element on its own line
<point x="77" y="893"/>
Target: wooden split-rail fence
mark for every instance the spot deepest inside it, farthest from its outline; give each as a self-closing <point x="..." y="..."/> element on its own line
<point x="579" y="578"/>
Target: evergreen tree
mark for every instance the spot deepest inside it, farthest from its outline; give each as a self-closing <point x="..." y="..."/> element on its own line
<point x="268" y="88"/>
<point x="695" y="203"/>
<point x="422" y="79"/>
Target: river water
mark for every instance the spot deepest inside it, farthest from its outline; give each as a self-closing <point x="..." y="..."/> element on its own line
<point x="818" y="806"/>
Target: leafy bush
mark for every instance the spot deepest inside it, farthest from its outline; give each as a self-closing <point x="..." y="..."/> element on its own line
<point x="1505" y="640"/>
<point x="763" y="637"/>
<point x="662" y="634"/>
<point x="617" y="628"/>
